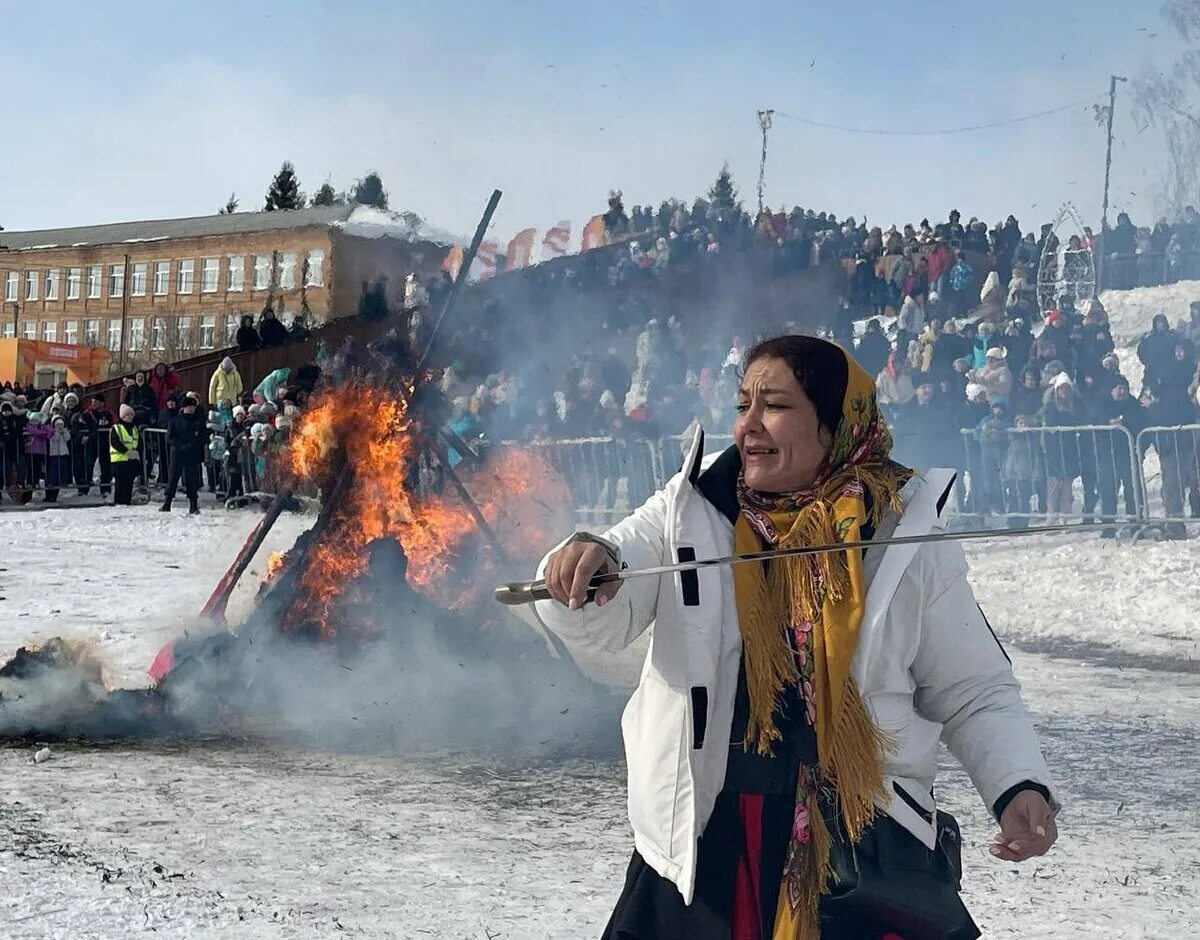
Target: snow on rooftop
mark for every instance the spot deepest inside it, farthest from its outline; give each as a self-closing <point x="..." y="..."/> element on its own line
<point x="370" y="222"/>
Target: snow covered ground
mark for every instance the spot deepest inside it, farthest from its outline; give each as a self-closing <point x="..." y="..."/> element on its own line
<point x="220" y="838"/>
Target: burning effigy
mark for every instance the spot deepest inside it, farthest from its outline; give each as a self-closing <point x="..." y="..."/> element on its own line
<point x="377" y="626"/>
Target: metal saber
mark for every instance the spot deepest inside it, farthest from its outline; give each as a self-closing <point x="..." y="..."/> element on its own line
<point x="516" y="593"/>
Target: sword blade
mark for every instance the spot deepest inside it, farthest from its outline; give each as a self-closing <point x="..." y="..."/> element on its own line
<point x="524" y="592"/>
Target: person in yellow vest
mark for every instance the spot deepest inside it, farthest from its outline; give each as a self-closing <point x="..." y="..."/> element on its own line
<point x="123" y="440"/>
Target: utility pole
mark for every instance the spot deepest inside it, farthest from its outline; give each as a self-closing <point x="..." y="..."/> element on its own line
<point x="1112" y="107"/>
<point x="764" y="121"/>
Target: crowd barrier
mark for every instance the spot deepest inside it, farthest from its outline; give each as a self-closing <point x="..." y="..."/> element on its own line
<point x="1018" y="476"/>
<point x="1149" y="269"/>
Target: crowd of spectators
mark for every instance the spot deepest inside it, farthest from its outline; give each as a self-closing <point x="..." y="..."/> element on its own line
<point x="159" y="435"/>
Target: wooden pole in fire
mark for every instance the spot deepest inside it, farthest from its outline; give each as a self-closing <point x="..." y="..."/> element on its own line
<point x="215" y="608"/>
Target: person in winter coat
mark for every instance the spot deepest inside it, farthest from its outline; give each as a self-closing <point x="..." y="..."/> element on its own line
<point x="124" y="455"/>
<point x="225" y="384"/>
<point x="1061" y="448"/>
<point x="271" y="330"/>
<point x="1156" y="352"/>
<point x="1115" y="451"/>
<point x="1023" y="472"/>
<point x="37" y="438"/>
<point x="1027" y="395"/>
<point x="12" y="448"/>
<point x="247" y="337"/>
<point x="949" y="346"/>
<point x="873" y="348"/>
<point x="992" y="435"/>
<point x="187" y="442"/>
<point x="733" y="734"/>
<point x="140" y="397"/>
<point x="895" y="386"/>
<point x="267" y="388"/>
<point x="995" y="376"/>
<point x="58" y="458"/>
<point x="163" y="381"/>
<point x="94" y="427"/>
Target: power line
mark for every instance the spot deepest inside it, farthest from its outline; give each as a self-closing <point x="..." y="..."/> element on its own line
<point x="930" y="133"/>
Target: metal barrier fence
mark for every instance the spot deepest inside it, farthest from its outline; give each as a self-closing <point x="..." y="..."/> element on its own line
<point x="1171" y="461"/>
<point x="1149" y="269"/>
<point x="1019" y="476"/>
<point x="1058" y="473"/>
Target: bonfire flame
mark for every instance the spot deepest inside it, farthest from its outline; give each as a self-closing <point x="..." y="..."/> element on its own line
<point x="517" y="492"/>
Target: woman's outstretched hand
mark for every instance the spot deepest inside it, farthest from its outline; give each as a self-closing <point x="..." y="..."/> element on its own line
<point x="1026" y="828"/>
<point x="570" y="569"/>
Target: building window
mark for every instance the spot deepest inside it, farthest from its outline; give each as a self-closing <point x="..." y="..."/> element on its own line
<point x="183" y="333"/>
<point x="52" y="284"/>
<point x="187" y="274"/>
<point x="287" y="270"/>
<point x="74" y="279"/>
<point x="114" y="335"/>
<point x="11" y="282"/>
<point x="137" y="333"/>
<point x="314" y="277"/>
<point x="28" y="330"/>
<point x="262" y="272"/>
<point x="232" y="322"/>
<point x="91" y="332"/>
<point x="31" y="285"/>
<point x="10" y="329"/>
<point x="162" y="278"/>
<point x="94" y="281"/>
<point x="49" y="331"/>
<point x="116" y="280"/>
<point x="210" y="269"/>
<point x="237" y="272"/>
<point x="137" y="280"/>
<point x="208" y="332"/>
<point x="158" y="334"/>
<point x="71" y="332"/>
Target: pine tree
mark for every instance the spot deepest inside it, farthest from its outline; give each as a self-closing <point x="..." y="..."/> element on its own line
<point x="230" y="207"/>
<point x="724" y="195"/>
<point x="285" y="190"/>
<point x="369" y="191"/>
<point x="325" y="196"/>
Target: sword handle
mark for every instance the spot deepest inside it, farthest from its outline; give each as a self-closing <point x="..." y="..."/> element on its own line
<point x="516" y="593"/>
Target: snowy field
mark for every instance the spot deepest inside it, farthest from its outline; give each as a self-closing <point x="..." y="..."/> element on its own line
<point x="220" y="838"/>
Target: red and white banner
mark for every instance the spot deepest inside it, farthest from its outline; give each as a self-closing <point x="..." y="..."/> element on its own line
<point x="520" y="250"/>
<point x="484" y="265"/>
<point x="557" y="240"/>
<point x="594" y="235"/>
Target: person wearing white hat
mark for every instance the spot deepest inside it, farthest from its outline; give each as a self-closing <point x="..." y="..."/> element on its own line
<point x="1063" y="409"/>
<point x="123" y="441"/>
<point x="995" y="375"/>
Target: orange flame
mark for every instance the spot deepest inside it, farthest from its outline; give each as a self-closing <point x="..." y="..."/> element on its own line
<point x="517" y="492"/>
<point x="274" y="563"/>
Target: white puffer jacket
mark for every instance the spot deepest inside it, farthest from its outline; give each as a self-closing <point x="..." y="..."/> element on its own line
<point x="927" y="663"/>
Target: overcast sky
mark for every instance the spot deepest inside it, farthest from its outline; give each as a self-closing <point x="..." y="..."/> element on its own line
<point x="140" y="110"/>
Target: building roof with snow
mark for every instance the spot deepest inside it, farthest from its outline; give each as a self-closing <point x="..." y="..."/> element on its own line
<point x="358" y="220"/>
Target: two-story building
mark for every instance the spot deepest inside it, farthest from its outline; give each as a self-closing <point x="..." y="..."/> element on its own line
<point x="171" y="288"/>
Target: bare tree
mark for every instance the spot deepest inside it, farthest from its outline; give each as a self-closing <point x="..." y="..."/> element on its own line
<point x="1161" y="100"/>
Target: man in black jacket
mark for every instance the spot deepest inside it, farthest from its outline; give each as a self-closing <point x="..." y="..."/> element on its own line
<point x="91" y="429"/>
<point x="1114" y="406"/>
<point x="187" y="438"/>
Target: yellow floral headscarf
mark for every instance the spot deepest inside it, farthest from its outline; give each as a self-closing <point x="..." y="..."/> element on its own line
<point x="799" y="625"/>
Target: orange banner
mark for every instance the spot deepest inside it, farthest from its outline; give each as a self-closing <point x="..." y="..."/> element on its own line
<point x="520" y="250"/>
<point x="20" y="359"/>
<point x="453" y="260"/>
<point x="594" y="235"/>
